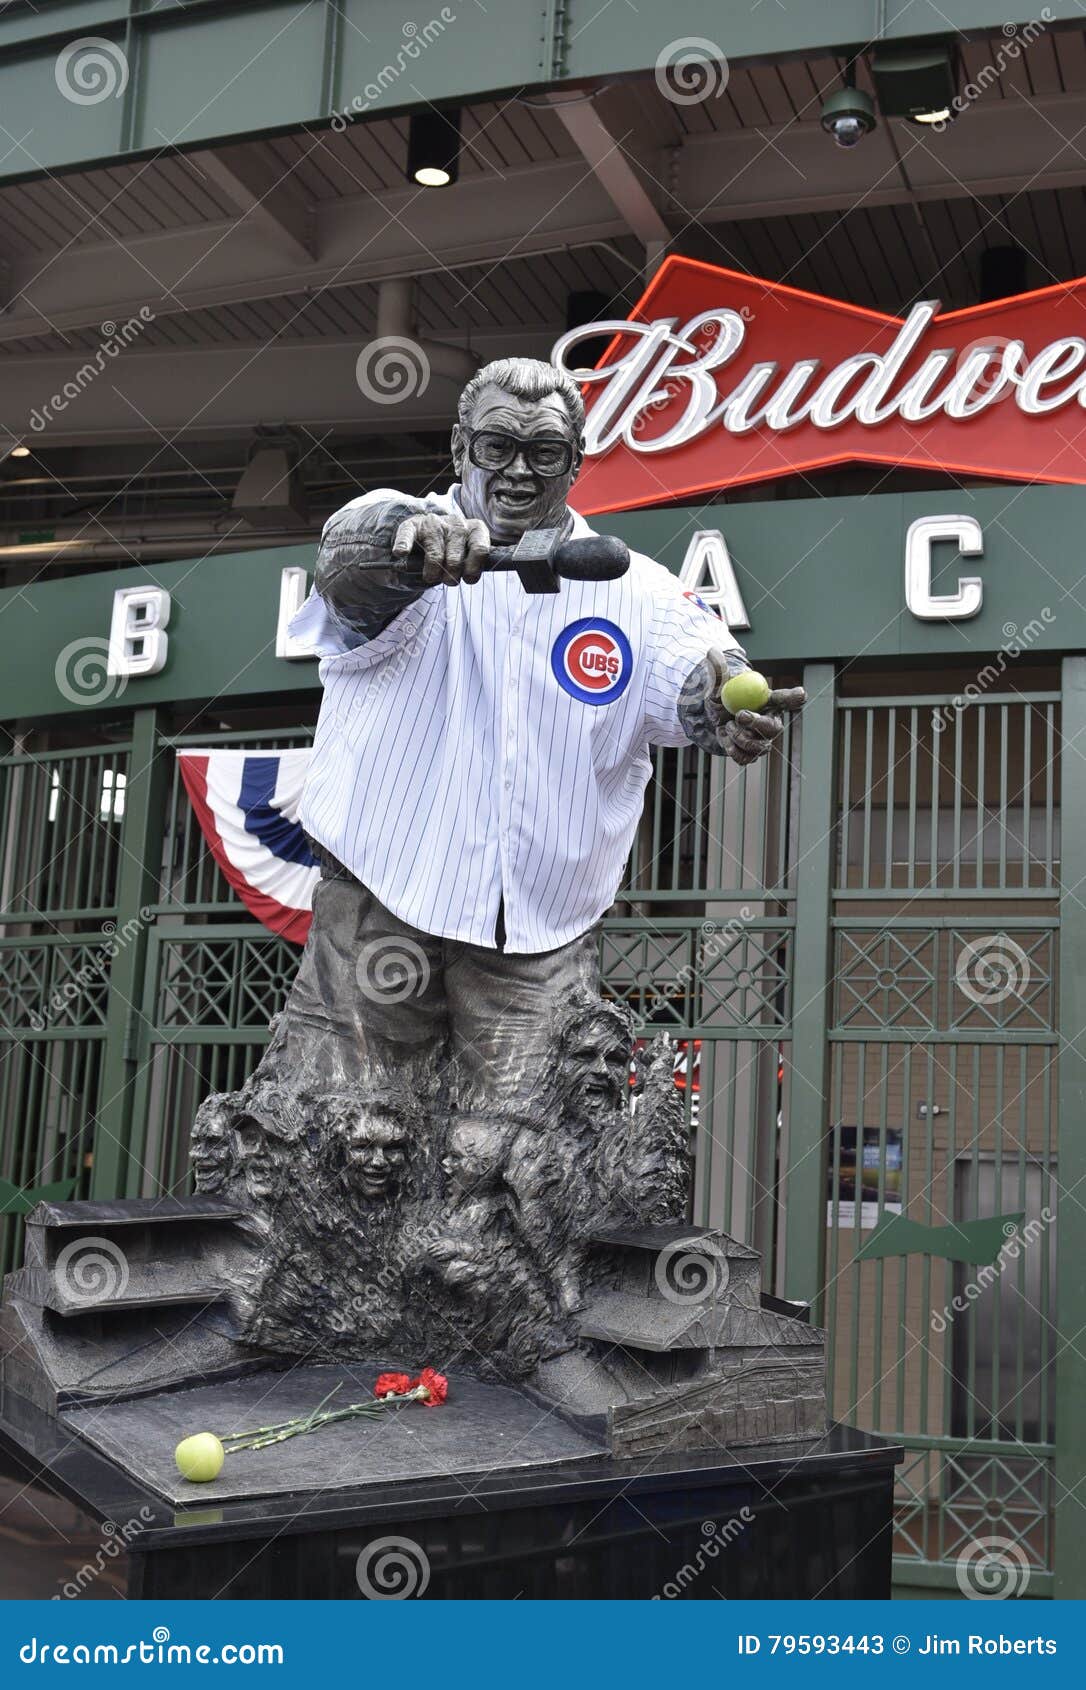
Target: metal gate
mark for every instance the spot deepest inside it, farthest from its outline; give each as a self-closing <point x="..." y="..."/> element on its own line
<point x="822" y="935"/>
<point x="61" y="829"/>
<point x="942" y="1106"/>
<point x="212" y="980"/>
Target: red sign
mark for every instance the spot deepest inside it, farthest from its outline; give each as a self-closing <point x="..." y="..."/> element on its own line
<point x="717" y="379"/>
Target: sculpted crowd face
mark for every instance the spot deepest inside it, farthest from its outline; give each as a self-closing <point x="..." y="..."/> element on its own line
<point x="259" y="1168"/>
<point x="474" y="1158"/>
<point x="514" y="499"/>
<point x="600" y="1060"/>
<point x="376" y="1154"/>
<point x="209" y="1155"/>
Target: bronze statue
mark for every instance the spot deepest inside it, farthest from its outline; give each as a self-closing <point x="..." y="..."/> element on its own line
<point x="461" y="1135"/>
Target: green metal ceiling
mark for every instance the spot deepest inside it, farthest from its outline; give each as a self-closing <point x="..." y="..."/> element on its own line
<point x="101" y="79"/>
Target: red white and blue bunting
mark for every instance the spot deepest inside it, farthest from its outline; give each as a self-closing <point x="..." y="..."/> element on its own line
<point x="247" y="805"/>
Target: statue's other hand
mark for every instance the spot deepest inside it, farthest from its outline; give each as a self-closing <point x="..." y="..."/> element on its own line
<point x="454" y="548"/>
<point x="751" y="734"/>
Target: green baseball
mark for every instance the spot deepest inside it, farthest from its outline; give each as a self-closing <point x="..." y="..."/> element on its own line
<point x="200" y="1457"/>
<point x="748" y="691"/>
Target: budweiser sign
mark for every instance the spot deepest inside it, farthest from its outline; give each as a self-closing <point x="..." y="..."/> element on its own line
<point x="717" y="378"/>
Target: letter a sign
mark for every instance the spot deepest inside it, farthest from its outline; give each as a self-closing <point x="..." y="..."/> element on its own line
<point x="708" y="574"/>
<point x="717" y="379"/>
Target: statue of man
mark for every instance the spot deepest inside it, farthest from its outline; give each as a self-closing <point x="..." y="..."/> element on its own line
<point x="482" y="753"/>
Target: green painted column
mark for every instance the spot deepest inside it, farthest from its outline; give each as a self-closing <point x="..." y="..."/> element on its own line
<point x="805" y="1165"/>
<point x="117" y="1170"/>
<point x="1070" y="1341"/>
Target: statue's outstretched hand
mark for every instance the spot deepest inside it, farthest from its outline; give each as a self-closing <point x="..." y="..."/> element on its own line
<point x="749" y="734"/>
<point x="454" y="548"/>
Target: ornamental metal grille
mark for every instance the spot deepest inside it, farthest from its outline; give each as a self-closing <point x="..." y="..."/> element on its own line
<point x="61" y="827"/>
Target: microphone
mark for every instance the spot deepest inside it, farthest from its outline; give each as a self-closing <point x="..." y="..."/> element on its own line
<point x="595" y="557"/>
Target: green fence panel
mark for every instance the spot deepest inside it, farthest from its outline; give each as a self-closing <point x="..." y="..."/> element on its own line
<point x="61" y="826"/>
<point x="944" y="1040"/>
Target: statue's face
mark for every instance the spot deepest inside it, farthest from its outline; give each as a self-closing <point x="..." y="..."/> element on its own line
<point x="474" y="1158"/>
<point x="208" y="1154"/>
<point x="516" y="498"/>
<point x="259" y="1168"/>
<point x="601" y="1062"/>
<point x="376" y="1154"/>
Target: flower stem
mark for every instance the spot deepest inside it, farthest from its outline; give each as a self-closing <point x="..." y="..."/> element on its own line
<point x="262" y="1437"/>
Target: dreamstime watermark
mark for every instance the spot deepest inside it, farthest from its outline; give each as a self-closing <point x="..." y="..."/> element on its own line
<point x="1017" y="1239"/>
<point x="991" y="970"/>
<point x="993" y="1569"/>
<point x="82" y="675"/>
<point x="117" y="1538"/>
<point x="717" y="938"/>
<point x="664" y="397"/>
<point x="91" y="70"/>
<point x="692" y="1270"/>
<point x="391" y="369"/>
<point x="90" y="1271"/>
<point x="1016" y="39"/>
<point x="381" y="678"/>
<point x="154" y="1651"/>
<point x="1016" y="640"/>
<point x="995" y="364"/>
<point x="716" y="1538"/>
<point x="392" y="1569"/>
<point x="115" y="337"/>
<point x="415" y="1241"/>
<point x="391" y="969"/>
<point x="93" y="971"/>
<point x="416" y="39"/>
<point x="690" y="70"/>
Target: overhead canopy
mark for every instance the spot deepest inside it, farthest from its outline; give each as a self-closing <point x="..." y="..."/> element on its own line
<point x="163" y="309"/>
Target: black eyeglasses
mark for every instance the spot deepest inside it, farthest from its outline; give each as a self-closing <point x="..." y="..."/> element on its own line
<point x="547" y="455"/>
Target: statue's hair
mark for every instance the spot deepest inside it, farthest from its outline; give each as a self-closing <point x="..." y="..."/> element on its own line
<point x="525" y="378"/>
<point x="389" y="1099"/>
<point x="583" y="1009"/>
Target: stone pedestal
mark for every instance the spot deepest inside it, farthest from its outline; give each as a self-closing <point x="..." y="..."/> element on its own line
<point x="770" y="1523"/>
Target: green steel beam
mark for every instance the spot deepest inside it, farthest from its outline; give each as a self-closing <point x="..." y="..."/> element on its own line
<point x="1070" y="1339"/>
<point x="221" y="635"/>
<point x="137" y="890"/>
<point x="805" y="1151"/>
<point x="216" y="70"/>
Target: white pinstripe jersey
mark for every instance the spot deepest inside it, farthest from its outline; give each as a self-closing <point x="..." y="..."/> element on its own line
<point x="494" y="743"/>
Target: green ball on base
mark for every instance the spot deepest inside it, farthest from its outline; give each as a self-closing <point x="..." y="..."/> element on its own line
<point x="200" y="1457"/>
<point x="748" y="691"/>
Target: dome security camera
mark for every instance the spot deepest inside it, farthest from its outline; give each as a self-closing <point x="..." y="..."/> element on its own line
<point x="848" y="116"/>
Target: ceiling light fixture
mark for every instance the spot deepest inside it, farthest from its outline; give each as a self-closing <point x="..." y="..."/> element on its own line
<point x="917" y="82"/>
<point x="433" y="147"/>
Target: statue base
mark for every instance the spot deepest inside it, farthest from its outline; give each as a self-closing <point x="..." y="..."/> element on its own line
<point x="479" y="1426"/>
<point x="554" y="1520"/>
<point x="652" y="1366"/>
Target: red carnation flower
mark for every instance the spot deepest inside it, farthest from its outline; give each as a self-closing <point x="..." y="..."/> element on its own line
<point x="392" y="1385"/>
<point x="435" y="1385"/>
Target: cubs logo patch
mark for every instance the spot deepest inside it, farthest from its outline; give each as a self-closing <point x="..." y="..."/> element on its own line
<point x="592" y="661"/>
